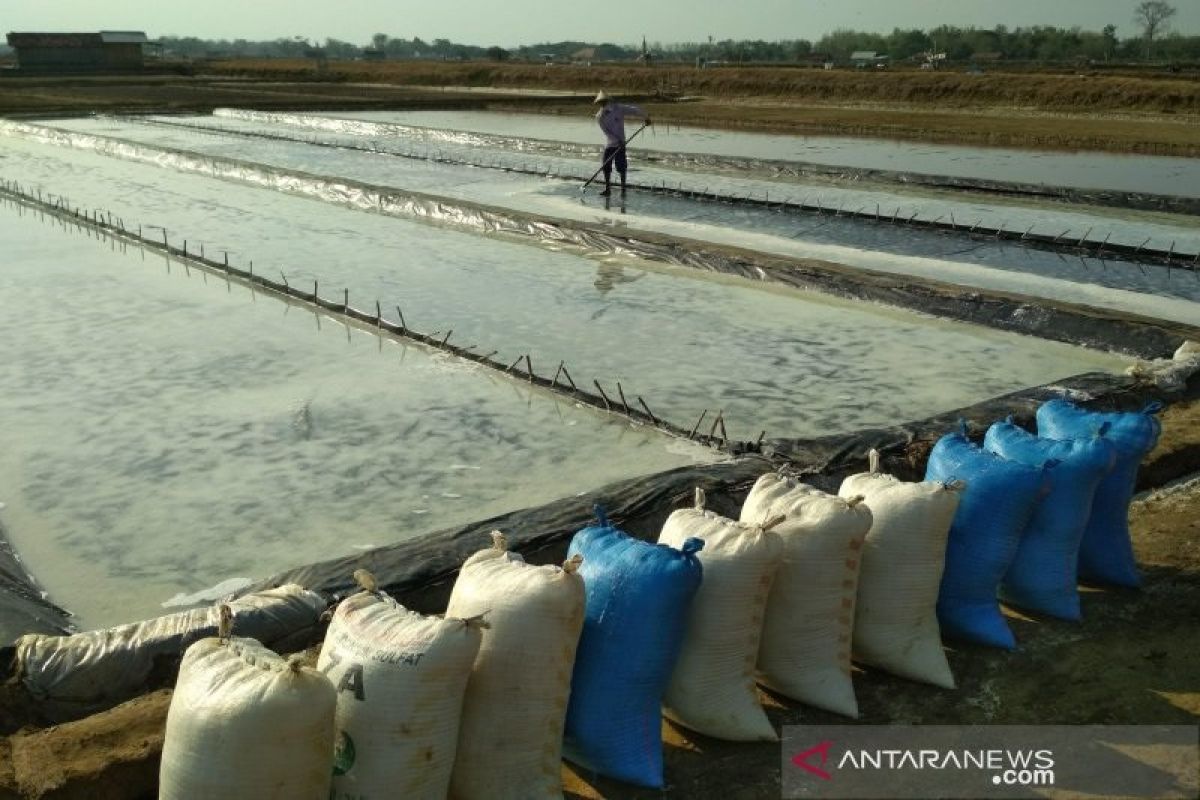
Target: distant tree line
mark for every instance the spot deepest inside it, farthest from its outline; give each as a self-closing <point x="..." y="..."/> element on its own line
<point x="1033" y="44"/>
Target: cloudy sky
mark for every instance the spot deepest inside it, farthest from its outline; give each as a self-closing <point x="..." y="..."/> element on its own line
<point x="513" y="22"/>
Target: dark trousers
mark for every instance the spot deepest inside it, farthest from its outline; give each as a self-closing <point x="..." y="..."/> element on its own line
<point x="615" y="155"/>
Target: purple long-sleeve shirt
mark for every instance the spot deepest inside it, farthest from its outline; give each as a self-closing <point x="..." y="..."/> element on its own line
<point x="611" y="119"/>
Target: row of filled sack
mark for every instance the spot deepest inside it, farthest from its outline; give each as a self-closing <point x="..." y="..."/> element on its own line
<point x="530" y="661"/>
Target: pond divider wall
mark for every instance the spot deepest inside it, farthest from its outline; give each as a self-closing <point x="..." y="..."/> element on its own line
<point x="1142" y="201"/>
<point x="1102" y="329"/>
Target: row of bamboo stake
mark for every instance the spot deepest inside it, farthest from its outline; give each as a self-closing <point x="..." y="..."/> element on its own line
<point x="561" y="382"/>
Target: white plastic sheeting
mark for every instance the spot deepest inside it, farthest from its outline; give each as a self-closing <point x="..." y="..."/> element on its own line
<point x="71" y="676"/>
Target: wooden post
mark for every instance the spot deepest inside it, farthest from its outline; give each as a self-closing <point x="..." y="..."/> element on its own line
<point x="624" y="403"/>
<point x="567" y="375"/>
<point x="607" y="404"/>
<point x="403" y="327"/>
<point x="646" y="408"/>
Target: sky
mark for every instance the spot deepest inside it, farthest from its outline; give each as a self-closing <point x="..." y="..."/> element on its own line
<point x="514" y="22"/>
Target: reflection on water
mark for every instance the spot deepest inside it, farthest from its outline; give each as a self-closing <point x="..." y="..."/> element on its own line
<point x="609" y="275"/>
<point x="164" y="430"/>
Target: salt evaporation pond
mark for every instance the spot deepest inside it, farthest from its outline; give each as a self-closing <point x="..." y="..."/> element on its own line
<point x="789" y="363"/>
<point x="1152" y="291"/>
<point x="164" y="432"/>
<point x="1112" y="171"/>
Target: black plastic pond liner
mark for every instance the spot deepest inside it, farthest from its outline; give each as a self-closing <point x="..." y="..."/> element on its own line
<point x="23" y="605"/>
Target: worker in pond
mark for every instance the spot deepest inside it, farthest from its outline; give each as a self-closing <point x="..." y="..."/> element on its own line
<point x="611" y="118"/>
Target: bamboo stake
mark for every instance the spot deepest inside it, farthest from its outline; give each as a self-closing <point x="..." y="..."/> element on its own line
<point x="646" y="408"/>
<point x="607" y="404"/>
<point x="624" y="402"/>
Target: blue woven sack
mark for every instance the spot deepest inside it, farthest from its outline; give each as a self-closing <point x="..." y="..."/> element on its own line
<point x="1106" y="551"/>
<point x="996" y="506"/>
<point x="1043" y="574"/>
<point x="638" y="598"/>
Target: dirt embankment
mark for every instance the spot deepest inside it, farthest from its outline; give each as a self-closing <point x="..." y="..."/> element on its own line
<point x="1042" y="92"/>
<point x="1128" y="113"/>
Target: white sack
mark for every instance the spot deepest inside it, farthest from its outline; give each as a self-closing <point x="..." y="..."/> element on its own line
<point x="246" y="724"/>
<point x="712" y="689"/>
<point x="895" y="620"/>
<point x="400" y="678"/>
<point x="805" y="648"/>
<point x="510" y="740"/>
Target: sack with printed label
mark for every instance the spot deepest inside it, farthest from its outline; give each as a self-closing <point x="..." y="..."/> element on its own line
<point x="1043" y="573"/>
<point x="638" y="598"/>
<point x="400" y="677"/>
<point x="712" y="689"/>
<point x="1000" y="499"/>
<point x="895" y="616"/>
<point x="1106" y="550"/>
<point x="247" y="724"/>
<point x="510" y="738"/>
<point x="805" y="648"/>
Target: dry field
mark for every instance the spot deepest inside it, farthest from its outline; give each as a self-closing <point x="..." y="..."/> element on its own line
<point x="1118" y="113"/>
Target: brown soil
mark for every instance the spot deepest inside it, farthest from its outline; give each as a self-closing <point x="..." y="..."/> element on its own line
<point x="1131" y="661"/>
<point x="110" y="756"/>
<point x="1152" y="114"/>
<point x="1129" y="113"/>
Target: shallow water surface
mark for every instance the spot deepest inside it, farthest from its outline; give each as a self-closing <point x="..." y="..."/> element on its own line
<point x="164" y="431"/>
<point x="789" y="363"/>
<point x="954" y="258"/>
<point x="1088" y="170"/>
